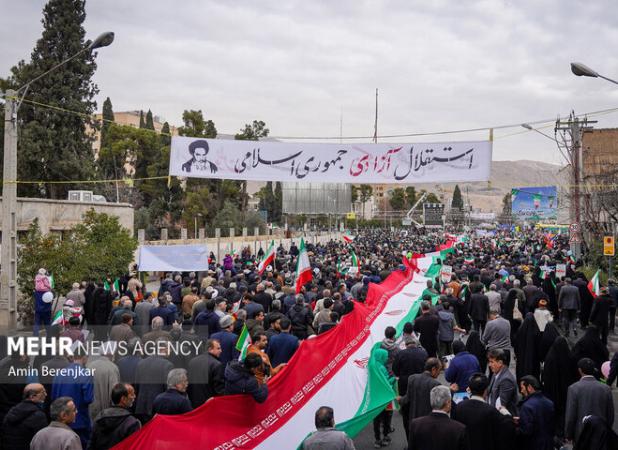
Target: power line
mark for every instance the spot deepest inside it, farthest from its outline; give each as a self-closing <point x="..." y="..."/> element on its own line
<point x="385" y="136"/>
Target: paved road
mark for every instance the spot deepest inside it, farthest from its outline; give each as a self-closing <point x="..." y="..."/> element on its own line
<point x="365" y="440"/>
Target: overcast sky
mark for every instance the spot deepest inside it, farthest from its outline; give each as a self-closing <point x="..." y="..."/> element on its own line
<point x="302" y="65"/>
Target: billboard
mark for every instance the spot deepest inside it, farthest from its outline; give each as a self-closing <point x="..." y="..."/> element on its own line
<point x="534" y="203"/>
<point x="433" y="214"/>
<point x="316" y="198"/>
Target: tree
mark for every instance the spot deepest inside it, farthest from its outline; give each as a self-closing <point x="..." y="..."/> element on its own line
<point x="278" y="202"/>
<point x="457" y="202"/>
<point x="149" y="121"/>
<point x="507" y="208"/>
<point x="410" y="196"/>
<point x="457" y="206"/>
<point x="54" y="145"/>
<point x="398" y="199"/>
<point x="366" y="191"/>
<point x="142" y="122"/>
<point x="108" y="119"/>
<point x="354" y="193"/>
<point x="196" y="126"/>
<point x="253" y="132"/>
<point x="97" y="248"/>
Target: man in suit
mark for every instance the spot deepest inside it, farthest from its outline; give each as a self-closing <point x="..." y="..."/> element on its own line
<point x="568" y="305"/>
<point x="503" y="387"/>
<point x="587" y="397"/>
<point x="408" y="362"/>
<point x="536" y="416"/>
<point x="479" y="310"/>
<point x="485" y="426"/>
<point x="282" y="347"/>
<point x="416" y="402"/>
<point x="427" y="325"/>
<point x="438" y="431"/>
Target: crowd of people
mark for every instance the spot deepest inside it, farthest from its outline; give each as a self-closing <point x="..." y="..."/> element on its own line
<point x="502" y="309"/>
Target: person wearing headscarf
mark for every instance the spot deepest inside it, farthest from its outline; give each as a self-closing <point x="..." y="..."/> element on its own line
<point x="475" y="347"/>
<point x="590" y="346"/>
<point x="526" y="348"/>
<point x="559" y="372"/>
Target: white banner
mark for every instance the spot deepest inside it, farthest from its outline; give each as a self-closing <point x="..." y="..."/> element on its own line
<point x="333" y="163"/>
<point x="173" y="258"/>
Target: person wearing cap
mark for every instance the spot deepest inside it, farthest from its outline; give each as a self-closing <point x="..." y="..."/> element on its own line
<point x="227" y="339"/>
<point x="587" y="397"/>
<point x="599" y="316"/>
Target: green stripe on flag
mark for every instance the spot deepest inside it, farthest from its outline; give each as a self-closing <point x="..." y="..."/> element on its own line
<point x="243" y="342"/>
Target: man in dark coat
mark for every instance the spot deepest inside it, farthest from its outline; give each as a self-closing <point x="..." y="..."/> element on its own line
<point x="408" y="362"/>
<point x="240" y="378"/>
<point x="586" y="299"/>
<point x="599" y="316"/>
<point x="226" y="339"/>
<point x="569" y="302"/>
<point x="282" y="347"/>
<point x="461" y="367"/>
<point x="479" y="310"/>
<point x="485" y="426"/>
<point x="23" y="420"/>
<point x="536" y="416"/>
<point x="503" y="386"/>
<point x="116" y="423"/>
<point x="587" y="397"/>
<point x="206" y="374"/>
<point x="437" y="431"/>
<point x="151" y="379"/>
<point x="301" y="318"/>
<point x="416" y="400"/>
<point x="174" y="400"/>
<point x="427" y="325"/>
<point x="12" y="381"/>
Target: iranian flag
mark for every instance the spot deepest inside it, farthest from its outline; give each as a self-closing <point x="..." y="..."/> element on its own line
<point x="348" y="237"/>
<point x="52" y="281"/>
<point x="355" y="260"/>
<point x="594" y="286"/>
<point x="338" y="369"/>
<point x="115" y="287"/>
<point x="469" y="260"/>
<point x="269" y="258"/>
<point x="303" y="267"/>
<point x="243" y="342"/>
<point x="58" y="318"/>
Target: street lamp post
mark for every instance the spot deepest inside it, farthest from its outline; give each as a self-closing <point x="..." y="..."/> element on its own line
<point x="581" y="70"/>
<point x="8" y="254"/>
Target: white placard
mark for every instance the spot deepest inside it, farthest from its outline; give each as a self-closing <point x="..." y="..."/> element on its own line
<point x="334" y="163"/>
<point x="445" y="273"/>
<point x="560" y="270"/>
<point x="173" y="258"/>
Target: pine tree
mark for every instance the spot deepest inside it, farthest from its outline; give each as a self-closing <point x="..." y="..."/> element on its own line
<point x="166" y="138"/>
<point x="142" y="123"/>
<point x="54" y="145"/>
<point x="108" y="119"/>
<point x="278" y="202"/>
<point x="457" y="202"/>
<point x="149" y="121"/>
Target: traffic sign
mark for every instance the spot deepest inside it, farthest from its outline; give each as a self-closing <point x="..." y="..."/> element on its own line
<point x="575" y="228"/>
<point x="609" y="248"/>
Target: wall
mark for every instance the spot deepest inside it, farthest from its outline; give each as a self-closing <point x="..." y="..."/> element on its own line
<point x="60" y="215"/>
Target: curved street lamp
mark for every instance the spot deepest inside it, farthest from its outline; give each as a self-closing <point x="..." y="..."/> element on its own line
<point x="582" y="70"/>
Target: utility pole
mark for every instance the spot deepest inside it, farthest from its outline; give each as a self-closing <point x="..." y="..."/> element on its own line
<point x="375" y="125"/>
<point x="571" y="132"/>
<point x="8" y="275"/>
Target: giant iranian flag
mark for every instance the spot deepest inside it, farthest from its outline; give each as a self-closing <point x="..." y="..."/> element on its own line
<point x="334" y="369"/>
<point x="303" y="267"/>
